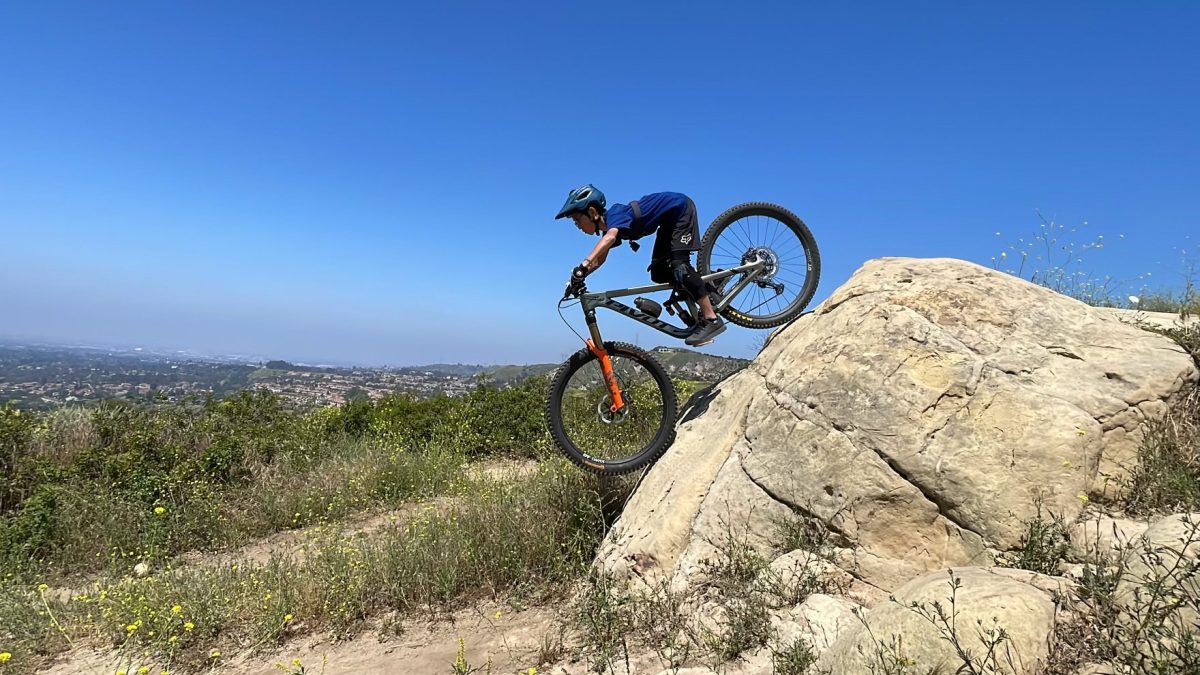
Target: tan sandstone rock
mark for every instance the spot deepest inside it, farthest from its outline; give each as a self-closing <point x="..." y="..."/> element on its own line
<point x="1162" y="581"/>
<point x="818" y="621"/>
<point x="1103" y="535"/>
<point x="922" y="411"/>
<point x="1021" y="603"/>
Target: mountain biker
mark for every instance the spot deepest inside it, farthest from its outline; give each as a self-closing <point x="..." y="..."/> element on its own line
<point x="673" y="216"/>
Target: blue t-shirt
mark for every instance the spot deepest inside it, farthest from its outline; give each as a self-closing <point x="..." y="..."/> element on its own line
<point x="660" y="208"/>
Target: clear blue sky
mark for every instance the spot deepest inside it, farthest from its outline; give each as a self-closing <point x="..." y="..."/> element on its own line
<point x="375" y="183"/>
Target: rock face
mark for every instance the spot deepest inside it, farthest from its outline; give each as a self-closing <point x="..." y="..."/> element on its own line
<point x="1021" y="603"/>
<point x="921" y="413"/>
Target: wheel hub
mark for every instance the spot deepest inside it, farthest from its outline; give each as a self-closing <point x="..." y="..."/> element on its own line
<point x="767" y="256"/>
<point x="605" y="413"/>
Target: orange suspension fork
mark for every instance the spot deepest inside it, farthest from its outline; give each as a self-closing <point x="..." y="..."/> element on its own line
<point x="614" y="390"/>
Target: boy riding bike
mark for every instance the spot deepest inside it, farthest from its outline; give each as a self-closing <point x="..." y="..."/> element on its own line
<point x="673" y="216"/>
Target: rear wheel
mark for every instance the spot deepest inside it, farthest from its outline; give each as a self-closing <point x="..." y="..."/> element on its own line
<point x="759" y="230"/>
<point x="589" y="433"/>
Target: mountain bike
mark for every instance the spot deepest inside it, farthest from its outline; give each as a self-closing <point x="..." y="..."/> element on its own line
<point x="612" y="406"/>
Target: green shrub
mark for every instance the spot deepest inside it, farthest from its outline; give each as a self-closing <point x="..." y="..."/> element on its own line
<point x="16" y="430"/>
<point x="1043" y="546"/>
<point x="1167" y="475"/>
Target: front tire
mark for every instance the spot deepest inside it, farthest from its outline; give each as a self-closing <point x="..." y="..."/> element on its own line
<point x="592" y="438"/>
<point x="762" y="230"/>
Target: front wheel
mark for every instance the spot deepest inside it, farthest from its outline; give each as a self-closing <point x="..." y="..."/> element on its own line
<point x="583" y="425"/>
<point x="792" y="266"/>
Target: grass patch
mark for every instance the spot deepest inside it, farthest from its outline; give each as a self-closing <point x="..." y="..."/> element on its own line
<point x="1167" y="476"/>
<point x="525" y="537"/>
<point x="183" y="477"/>
<point x="1043" y="545"/>
<point x="716" y="622"/>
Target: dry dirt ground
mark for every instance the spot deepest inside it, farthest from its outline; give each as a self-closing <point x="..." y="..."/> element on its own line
<point x="512" y="641"/>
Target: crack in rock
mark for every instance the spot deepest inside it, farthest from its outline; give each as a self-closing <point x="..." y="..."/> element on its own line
<point x="845" y="541"/>
<point x="930" y="496"/>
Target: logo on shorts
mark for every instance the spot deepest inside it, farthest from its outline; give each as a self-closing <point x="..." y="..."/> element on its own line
<point x="686" y="239"/>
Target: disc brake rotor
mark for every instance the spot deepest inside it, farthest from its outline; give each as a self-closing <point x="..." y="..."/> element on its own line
<point x="766" y="279"/>
<point x="604" y="410"/>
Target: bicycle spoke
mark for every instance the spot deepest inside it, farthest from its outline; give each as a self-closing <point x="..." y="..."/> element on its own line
<point x="791" y="265"/>
<point x="590" y="425"/>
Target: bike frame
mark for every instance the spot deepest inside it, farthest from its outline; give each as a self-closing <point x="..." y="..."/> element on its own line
<point x="590" y="301"/>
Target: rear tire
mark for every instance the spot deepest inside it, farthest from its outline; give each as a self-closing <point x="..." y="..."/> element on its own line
<point x="770" y="231"/>
<point x="599" y="442"/>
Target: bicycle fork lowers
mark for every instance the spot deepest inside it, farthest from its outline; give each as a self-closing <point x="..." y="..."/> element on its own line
<point x="596" y="346"/>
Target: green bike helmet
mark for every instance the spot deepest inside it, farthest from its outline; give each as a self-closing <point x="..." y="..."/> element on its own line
<point x="580" y="198"/>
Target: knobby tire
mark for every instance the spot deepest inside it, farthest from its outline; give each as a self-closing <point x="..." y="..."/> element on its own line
<point x="792" y="223"/>
<point x="637" y="458"/>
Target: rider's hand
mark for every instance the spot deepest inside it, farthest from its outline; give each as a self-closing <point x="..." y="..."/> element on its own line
<point x="575" y="283"/>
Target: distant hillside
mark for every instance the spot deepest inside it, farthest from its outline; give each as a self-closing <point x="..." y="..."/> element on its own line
<point x="689" y="365"/>
<point x="505" y="375"/>
<point x="453" y="369"/>
<point x="48" y="376"/>
<point x="680" y="363"/>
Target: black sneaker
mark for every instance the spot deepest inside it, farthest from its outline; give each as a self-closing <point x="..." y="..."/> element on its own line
<point x="704" y="332"/>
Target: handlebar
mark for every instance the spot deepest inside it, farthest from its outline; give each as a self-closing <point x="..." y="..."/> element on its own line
<point x="576" y="286"/>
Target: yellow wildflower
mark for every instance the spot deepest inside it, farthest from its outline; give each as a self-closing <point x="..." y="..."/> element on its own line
<point x="120" y="672"/>
<point x="287" y="618"/>
<point x="498" y="614"/>
<point x="176" y="609"/>
<point x="531" y="671"/>
<point x="143" y="670"/>
<point x="131" y="627"/>
<point x="214" y="654"/>
<point x="42" y="588"/>
<point x="189" y="625"/>
<point x="1082" y="497"/>
<point x="158" y="510"/>
<point x="5" y="656"/>
<point x="295" y="662"/>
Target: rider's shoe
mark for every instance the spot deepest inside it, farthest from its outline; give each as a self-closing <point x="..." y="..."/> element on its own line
<point x="705" y="331"/>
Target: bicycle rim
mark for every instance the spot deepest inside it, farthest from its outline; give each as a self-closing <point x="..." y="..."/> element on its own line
<point x="599" y="439"/>
<point x="773" y="234"/>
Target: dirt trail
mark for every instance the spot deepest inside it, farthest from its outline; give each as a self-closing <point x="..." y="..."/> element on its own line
<point x="512" y="641"/>
<point x="290" y="544"/>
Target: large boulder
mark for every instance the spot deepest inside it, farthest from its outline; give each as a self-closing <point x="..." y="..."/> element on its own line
<point x="921" y="414"/>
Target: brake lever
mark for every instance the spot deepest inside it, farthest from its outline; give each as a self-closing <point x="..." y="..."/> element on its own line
<point x="574" y="290"/>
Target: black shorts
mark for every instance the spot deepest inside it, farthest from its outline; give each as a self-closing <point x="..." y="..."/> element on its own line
<point x="671" y="262"/>
<point x="680" y="239"/>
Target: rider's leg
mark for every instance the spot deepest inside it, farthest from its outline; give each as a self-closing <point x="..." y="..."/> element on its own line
<point x="688" y="281"/>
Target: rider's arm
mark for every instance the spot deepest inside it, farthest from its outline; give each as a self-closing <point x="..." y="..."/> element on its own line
<point x="600" y="251"/>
